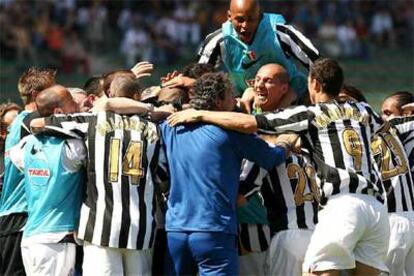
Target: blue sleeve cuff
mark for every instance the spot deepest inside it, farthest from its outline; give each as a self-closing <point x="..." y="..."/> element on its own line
<point x="279" y="156"/>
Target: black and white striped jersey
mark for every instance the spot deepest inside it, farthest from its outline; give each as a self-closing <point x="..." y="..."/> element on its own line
<point x="292" y="41"/>
<point x="290" y="192"/>
<point x="405" y="127"/>
<point x="253" y="238"/>
<point x="395" y="173"/>
<point x="123" y="153"/>
<point x="338" y="136"/>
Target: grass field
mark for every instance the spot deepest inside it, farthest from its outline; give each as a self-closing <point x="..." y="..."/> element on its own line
<point x="388" y="71"/>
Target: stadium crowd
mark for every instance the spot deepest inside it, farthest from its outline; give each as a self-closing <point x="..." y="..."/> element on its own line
<point x="74" y="32"/>
<point x="265" y="169"/>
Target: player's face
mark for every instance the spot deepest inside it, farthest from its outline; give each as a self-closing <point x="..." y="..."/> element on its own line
<point x="390" y="109"/>
<point x="245" y="20"/>
<point x="8" y="119"/>
<point x="9" y="116"/>
<point x="268" y="89"/>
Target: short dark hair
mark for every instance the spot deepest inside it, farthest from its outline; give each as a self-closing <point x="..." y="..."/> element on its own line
<point x="196" y="70"/>
<point x="110" y="76"/>
<point x="94" y="86"/>
<point x="353" y="92"/>
<point x="125" y="86"/>
<point x="402" y="98"/>
<point x="208" y="88"/>
<point x="328" y="74"/>
<point x="4" y="108"/>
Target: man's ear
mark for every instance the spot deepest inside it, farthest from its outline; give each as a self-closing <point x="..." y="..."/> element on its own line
<point x="408" y="109"/>
<point x="3" y="133"/>
<point x="91" y="98"/>
<point x="316" y="85"/>
<point x="228" y="15"/>
<point x="218" y="104"/>
<point x="58" y="110"/>
<point x="34" y="94"/>
<point x="285" y="88"/>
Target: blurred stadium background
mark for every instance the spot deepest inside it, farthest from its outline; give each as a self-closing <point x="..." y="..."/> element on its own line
<point x="374" y="40"/>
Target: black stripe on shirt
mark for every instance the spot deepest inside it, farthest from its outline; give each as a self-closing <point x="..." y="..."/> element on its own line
<point x="264" y="243"/>
<point x="125" y="196"/>
<point x="92" y="191"/>
<point x="141" y="192"/>
<point x="279" y="221"/>
<point x="109" y="195"/>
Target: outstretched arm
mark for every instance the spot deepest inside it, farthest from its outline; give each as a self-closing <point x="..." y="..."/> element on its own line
<point x="122" y="105"/>
<point x="229" y="120"/>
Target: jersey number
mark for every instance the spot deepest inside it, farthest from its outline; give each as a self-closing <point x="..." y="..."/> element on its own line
<point x="296" y="172"/>
<point x="131" y="162"/>
<point x="353" y="147"/>
<point x="387" y="147"/>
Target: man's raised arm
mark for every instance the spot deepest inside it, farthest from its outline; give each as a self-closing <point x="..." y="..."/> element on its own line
<point x="290" y="120"/>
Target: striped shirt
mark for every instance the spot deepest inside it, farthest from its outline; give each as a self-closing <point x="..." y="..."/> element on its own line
<point x="405" y="127"/>
<point x="293" y="43"/>
<point x="393" y="164"/>
<point x="253" y="238"/>
<point x="123" y="151"/>
<point x="290" y="192"/>
<point x="338" y="136"/>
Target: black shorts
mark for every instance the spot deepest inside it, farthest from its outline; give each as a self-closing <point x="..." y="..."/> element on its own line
<point x="11" y="262"/>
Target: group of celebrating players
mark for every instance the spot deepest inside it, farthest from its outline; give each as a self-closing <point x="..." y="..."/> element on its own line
<point x="262" y="170"/>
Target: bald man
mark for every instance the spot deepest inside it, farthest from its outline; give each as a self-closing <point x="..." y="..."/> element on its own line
<point x="53" y="170"/>
<point x="270" y="86"/>
<point x="250" y="39"/>
<point x="291" y="219"/>
<point x="55" y="100"/>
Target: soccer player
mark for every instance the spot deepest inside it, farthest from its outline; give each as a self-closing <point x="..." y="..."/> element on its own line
<point x="204" y="163"/>
<point x="271" y="83"/>
<point x="54" y="176"/>
<point x="398" y="110"/>
<point x="396" y="105"/>
<point x="353" y="229"/>
<point x="397" y="179"/>
<point x="289" y="190"/>
<point x="290" y="193"/>
<point x="117" y="215"/>
<point x="13" y="204"/>
<point x="398" y="183"/>
<point x="250" y="39"/>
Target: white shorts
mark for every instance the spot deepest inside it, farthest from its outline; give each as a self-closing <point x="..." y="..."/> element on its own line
<point x="400" y="257"/>
<point x="98" y="260"/>
<point x="351" y="227"/>
<point x="287" y="252"/>
<point x="49" y="258"/>
<point x="252" y="263"/>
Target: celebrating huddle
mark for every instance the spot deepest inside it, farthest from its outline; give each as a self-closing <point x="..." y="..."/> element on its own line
<point x="186" y="178"/>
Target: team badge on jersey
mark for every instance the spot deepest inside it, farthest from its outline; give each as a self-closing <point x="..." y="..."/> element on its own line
<point x="38" y="173"/>
<point x="251" y="55"/>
